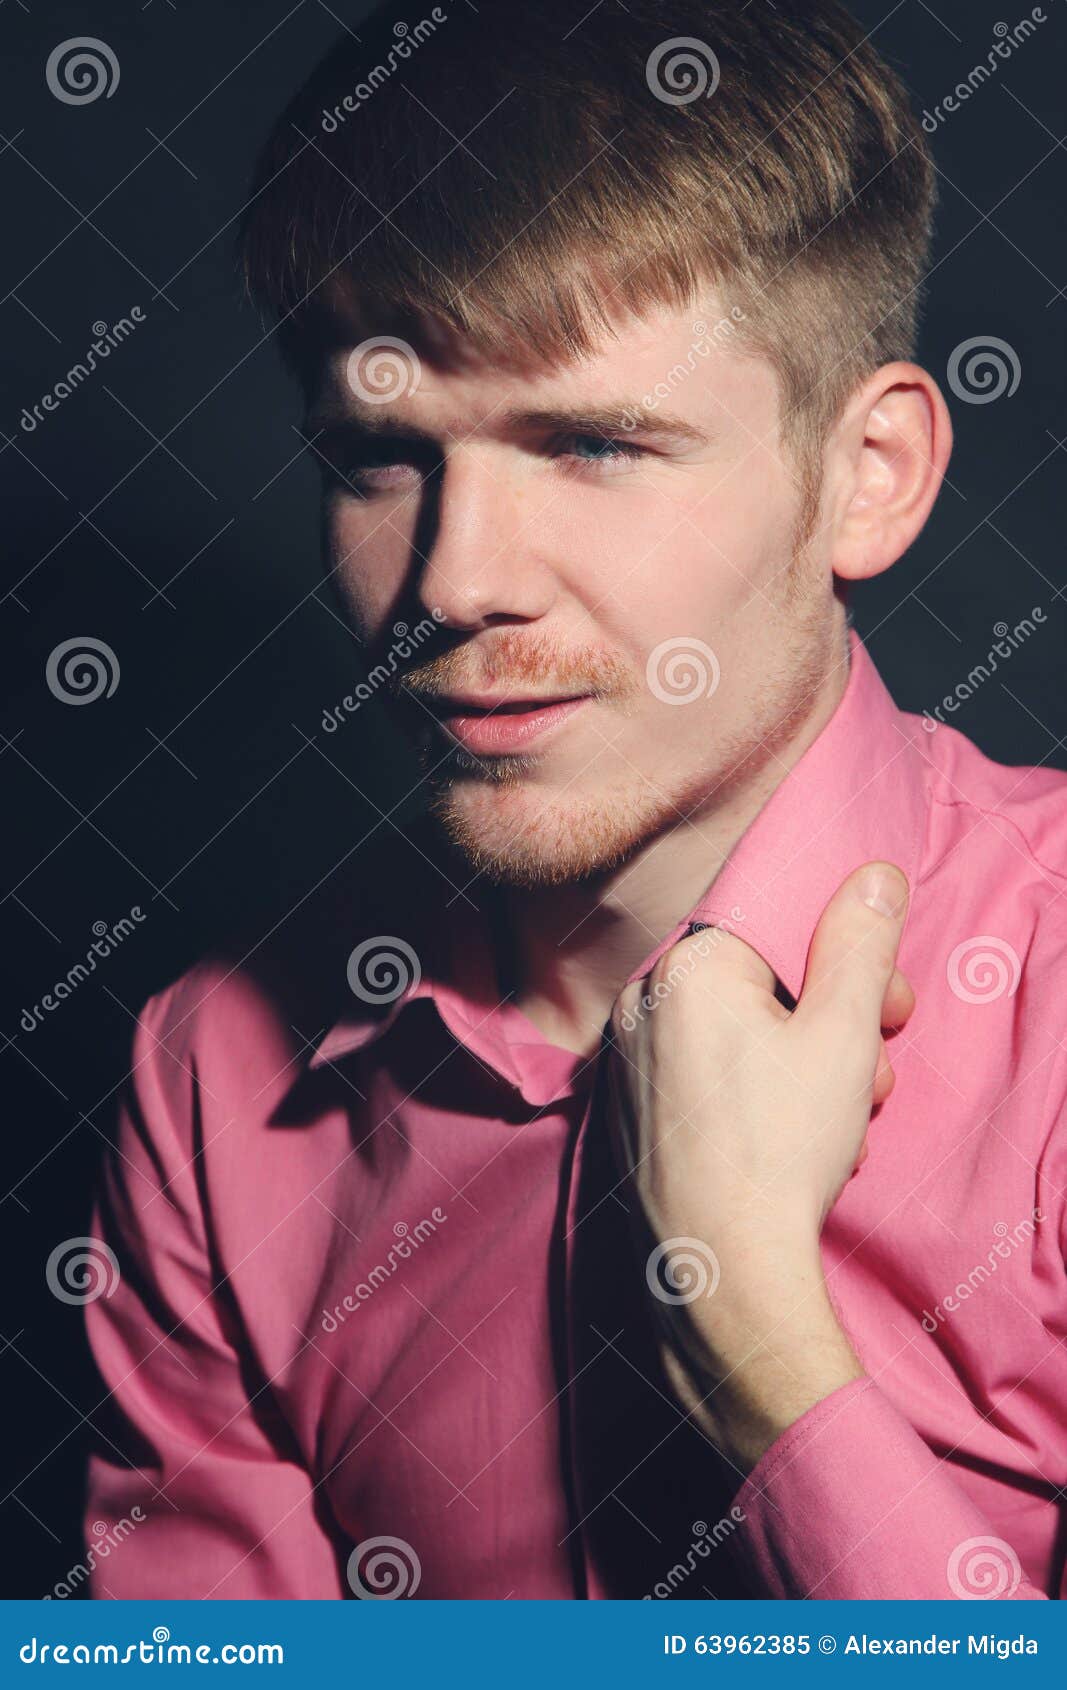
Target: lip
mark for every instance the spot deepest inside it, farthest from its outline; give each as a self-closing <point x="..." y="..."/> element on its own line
<point x="492" y="728"/>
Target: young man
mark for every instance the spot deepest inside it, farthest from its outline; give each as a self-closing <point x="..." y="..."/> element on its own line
<point x="522" y="1228"/>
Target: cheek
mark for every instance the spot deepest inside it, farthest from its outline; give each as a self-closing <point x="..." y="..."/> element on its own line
<point x="368" y="562"/>
<point x="713" y="555"/>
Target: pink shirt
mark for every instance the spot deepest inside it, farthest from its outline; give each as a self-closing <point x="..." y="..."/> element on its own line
<point x="377" y="1283"/>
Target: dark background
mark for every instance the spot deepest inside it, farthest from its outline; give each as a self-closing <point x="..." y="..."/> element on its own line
<point x="165" y="509"/>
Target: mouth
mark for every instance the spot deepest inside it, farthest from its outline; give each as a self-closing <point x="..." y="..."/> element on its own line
<point x="499" y="725"/>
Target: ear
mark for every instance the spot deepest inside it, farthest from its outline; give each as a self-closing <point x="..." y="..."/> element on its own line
<point x="887" y="459"/>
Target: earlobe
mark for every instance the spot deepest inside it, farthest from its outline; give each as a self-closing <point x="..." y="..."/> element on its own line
<point x="897" y="436"/>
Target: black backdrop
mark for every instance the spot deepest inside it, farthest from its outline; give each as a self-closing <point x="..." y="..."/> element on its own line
<point x="163" y="509"/>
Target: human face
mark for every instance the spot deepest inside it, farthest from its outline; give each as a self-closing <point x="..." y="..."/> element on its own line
<point x="628" y="632"/>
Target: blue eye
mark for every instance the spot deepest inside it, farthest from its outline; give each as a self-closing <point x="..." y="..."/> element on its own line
<point x="605" y="449"/>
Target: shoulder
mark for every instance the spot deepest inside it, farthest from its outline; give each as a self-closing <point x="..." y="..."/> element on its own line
<point x="1010" y="820"/>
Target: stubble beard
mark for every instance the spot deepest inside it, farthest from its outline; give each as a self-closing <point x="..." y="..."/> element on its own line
<point x="517" y="833"/>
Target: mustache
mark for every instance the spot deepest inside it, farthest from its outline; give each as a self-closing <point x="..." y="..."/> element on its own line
<point x="515" y="658"/>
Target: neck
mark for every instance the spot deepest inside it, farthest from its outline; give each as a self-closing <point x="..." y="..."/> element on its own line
<point x="567" y="951"/>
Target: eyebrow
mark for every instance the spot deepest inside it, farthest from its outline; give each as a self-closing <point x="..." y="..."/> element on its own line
<point x="621" y="417"/>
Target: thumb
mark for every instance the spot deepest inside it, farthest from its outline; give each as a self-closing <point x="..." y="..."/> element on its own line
<point x="853" y="953"/>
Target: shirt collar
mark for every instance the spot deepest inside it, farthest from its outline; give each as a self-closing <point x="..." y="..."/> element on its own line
<point x="856" y="795"/>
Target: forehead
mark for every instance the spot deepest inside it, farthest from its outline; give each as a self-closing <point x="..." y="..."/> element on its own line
<point x="696" y="361"/>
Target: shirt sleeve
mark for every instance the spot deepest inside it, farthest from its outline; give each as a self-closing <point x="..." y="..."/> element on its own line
<point x="194" y="1488"/>
<point x="851" y="1503"/>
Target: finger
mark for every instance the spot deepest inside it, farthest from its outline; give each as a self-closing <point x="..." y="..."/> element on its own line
<point x="899" y="1001"/>
<point x="729" y="958"/>
<point x="853" y="953"/>
<point x="884" y="1077"/>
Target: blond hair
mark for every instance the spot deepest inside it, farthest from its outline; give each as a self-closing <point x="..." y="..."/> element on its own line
<point x="525" y="175"/>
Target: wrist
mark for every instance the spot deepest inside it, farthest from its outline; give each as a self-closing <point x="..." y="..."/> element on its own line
<point x="754" y="1357"/>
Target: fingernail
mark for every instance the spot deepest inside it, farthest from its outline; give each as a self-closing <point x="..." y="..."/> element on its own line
<point x="884" y="889"/>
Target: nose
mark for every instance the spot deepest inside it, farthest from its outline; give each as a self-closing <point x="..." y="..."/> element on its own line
<point x="480" y="549"/>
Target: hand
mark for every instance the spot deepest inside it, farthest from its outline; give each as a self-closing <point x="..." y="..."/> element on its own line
<point x="737" y="1124"/>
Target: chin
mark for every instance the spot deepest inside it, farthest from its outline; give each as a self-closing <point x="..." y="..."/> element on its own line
<point x="521" y="836"/>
